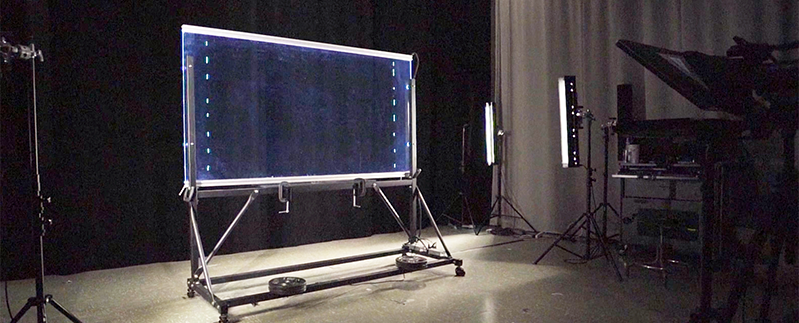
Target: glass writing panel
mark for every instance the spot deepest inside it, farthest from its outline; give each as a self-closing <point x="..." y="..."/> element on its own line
<point x="267" y="109"/>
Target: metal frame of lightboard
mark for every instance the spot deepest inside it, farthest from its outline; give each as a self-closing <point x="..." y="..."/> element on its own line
<point x="201" y="282"/>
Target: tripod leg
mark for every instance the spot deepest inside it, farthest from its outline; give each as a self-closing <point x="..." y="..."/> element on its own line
<point x="571" y="226"/>
<point x="468" y="208"/>
<point x="605" y="248"/>
<point x="31" y="302"/>
<point x="478" y="228"/>
<point x="449" y="207"/>
<point x="751" y="254"/>
<point x="49" y="299"/>
<point x="772" y="273"/>
<point x="520" y="214"/>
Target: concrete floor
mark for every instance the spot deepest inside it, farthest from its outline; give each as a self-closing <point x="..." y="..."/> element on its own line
<point x="501" y="285"/>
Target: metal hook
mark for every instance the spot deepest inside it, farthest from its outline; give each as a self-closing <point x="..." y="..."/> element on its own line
<point x="358" y="189"/>
<point x="283" y="197"/>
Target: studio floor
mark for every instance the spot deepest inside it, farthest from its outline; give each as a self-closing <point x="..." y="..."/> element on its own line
<point x="501" y="285"/>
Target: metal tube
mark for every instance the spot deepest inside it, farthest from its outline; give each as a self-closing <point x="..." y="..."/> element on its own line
<point x="232" y="225"/>
<point x="391" y="208"/>
<point x="199" y="242"/>
<point x="433" y="221"/>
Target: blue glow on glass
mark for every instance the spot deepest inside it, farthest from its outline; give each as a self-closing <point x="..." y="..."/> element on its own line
<point x="206" y="76"/>
<point x="208" y="150"/>
<point x="207" y="114"/>
<point x="208" y="134"/>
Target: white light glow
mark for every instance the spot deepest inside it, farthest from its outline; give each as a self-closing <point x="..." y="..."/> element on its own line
<point x="292" y="42"/>
<point x="490" y="131"/>
<point x="564" y="131"/>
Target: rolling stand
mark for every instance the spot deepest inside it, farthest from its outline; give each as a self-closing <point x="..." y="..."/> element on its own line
<point x="586" y="220"/>
<point x="40" y="300"/>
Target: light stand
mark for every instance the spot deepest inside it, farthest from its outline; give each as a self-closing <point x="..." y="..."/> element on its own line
<point x="462" y="198"/>
<point x="586" y="220"/>
<point x="605" y="205"/>
<point x="500" y="198"/>
<point x="39" y="301"/>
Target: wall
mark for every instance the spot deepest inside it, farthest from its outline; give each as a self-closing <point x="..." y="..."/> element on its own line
<point x="538" y="41"/>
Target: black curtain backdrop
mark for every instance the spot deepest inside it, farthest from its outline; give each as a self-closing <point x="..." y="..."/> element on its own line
<point x="110" y="125"/>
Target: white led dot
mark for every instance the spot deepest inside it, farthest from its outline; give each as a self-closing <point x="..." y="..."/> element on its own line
<point x="394" y="102"/>
<point x="207" y="168"/>
<point x="393" y="134"/>
<point x="407" y="87"/>
<point x="207" y="76"/>
<point x="206" y="59"/>
<point x="207" y="114"/>
<point x="207" y="100"/>
<point x="208" y="150"/>
<point x="394" y="117"/>
<point x="407" y="144"/>
<point x="206" y="43"/>
<point x="393" y="72"/>
<point x="395" y="150"/>
<point x="395" y="165"/>
<point x="208" y="134"/>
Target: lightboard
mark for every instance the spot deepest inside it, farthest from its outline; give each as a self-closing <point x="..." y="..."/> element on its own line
<point x="261" y="109"/>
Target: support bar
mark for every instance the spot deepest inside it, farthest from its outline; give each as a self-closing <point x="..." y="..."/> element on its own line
<point x="391" y="208"/>
<point x="250" y="299"/>
<point x="229" y="229"/>
<point x="196" y="230"/>
<point x="298" y="267"/>
<point x="432" y="221"/>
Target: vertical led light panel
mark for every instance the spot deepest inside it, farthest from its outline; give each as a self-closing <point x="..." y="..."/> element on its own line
<point x="490" y="133"/>
<point x="263" y="110"/>
<point x="569" y="121"/>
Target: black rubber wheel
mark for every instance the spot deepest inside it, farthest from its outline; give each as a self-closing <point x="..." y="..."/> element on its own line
<point x="287" y="285"/>
<point x="460" y="272"/>
<point x="191" y="293"/>
<point x="410" y="263"/>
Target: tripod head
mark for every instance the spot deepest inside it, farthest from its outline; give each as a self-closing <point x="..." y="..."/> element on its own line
<point x="10" y="52"/>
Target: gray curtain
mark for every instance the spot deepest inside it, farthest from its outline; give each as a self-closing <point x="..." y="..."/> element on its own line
<point x="537" y="41"/>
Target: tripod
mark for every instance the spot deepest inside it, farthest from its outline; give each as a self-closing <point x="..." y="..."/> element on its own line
<point x="40" y="300"/>
<point x="586" y="220"/>
<point x="497" y="204"/>
<point x="462" y="198"/>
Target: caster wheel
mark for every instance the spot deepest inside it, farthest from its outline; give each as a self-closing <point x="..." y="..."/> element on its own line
<point x="223" y="318"/>
<point x="190" y="293"/>
<point x="460" y="272"/>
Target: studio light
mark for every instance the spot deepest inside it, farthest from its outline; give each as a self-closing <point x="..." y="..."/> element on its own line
<point x="569" y="121"/>
<point x="490" y="133"/>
